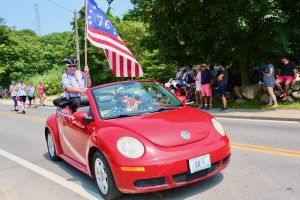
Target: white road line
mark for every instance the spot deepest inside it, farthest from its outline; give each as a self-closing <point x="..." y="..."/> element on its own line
<point x="53" y="177"/>
<point x="259" y="120"/>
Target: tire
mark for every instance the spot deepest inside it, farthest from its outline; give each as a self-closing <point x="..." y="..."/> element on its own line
<point x="103" y="178"/>
<point x="51" y="147"/>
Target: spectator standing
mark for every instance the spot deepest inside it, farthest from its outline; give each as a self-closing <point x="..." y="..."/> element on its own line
<point x="31" y="96"/>
<point x="222" y="82"/>
<point x="13" y="92"/>
<point x="269" y="81"/>
<point x="41" y="93"/>
<point x="75" y="82"/>
<point x="22" y="96"/>
<point x="185" y="83"/>
<point x="206" y="80"/>
<point x="178" y="73"/>
<point x="287" y="74"/>
<point x="198" y="95"/>
<point x="192" y="74"/>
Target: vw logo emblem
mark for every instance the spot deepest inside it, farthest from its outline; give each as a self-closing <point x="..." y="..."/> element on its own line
<point x="185" y="135"/>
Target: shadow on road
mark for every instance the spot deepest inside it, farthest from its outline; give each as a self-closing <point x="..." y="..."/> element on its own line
<point x="78" y="177"/>
<point x="182" y="192"/>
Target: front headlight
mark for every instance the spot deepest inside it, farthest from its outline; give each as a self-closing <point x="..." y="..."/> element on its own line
<point x="218" y="126"/>
<point x="130" y="147"/>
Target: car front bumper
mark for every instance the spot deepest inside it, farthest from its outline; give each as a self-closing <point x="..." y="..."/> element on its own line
<point x="169" y="172"/>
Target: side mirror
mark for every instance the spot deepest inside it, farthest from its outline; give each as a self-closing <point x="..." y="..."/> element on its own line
<point x="182" y="99"/>
<point x="79" y="115"/>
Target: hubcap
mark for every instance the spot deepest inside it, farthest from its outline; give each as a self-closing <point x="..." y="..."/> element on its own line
<point x="101" y="176"/>
<point x="50" y="145"/>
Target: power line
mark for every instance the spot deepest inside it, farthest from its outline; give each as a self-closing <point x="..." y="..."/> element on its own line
<point x="53" y="2"/>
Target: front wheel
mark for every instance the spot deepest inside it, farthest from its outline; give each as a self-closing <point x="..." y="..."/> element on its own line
<point x="51" y="147"/>
<point x="104" y="178"/>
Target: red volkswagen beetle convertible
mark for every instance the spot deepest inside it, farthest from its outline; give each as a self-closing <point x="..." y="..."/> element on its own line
<point x="135" y="137"/>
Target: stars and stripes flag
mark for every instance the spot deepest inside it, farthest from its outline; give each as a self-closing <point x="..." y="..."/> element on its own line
<point x="101" y="33"/>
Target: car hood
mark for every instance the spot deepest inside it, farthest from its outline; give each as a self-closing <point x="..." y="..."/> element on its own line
<point x="165" y="128"/>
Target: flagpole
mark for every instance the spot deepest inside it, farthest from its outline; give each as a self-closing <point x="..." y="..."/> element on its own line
<point x="85" y="38"/>
<point x="77" y="42"/>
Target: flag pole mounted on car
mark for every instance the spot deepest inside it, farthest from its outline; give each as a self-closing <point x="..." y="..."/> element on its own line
<point x="101" y="33"/>
<point x="85" y="37"/>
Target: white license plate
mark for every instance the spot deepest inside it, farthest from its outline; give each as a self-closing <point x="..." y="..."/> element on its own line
<point x="199" y="163"/>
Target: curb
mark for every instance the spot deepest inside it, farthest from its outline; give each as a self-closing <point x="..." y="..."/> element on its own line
<point x="258" y="118"/>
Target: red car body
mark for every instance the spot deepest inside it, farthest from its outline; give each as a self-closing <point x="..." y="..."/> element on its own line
<point x="165" y="161"/>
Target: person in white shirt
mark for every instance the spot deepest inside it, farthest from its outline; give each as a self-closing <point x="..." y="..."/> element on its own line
<point x="198" y="96"/>
<point x="22" y="95"/>
<point x="13" y="93"/>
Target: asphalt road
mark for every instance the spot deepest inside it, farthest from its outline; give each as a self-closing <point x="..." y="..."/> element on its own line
<point x="265" y="164"/>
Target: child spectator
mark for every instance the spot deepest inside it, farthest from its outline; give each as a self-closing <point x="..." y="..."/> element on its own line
<point x="173" y="89"/>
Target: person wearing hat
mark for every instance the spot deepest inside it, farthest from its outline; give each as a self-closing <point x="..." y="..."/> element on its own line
<point x="75" y="82"/>
<point x="206" y="91"/>
<point x="21" y="88"/>
<point x="13" y="93"/>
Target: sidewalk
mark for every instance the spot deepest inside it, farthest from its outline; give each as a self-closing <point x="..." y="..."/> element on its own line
<point x="280" y="114"/>
<point x="286" y="115"/>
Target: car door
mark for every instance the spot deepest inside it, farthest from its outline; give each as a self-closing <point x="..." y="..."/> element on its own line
<point x="76" y="136"/>
<point x="73" y="136"/>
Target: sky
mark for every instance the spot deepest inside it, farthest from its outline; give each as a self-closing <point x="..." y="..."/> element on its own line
<point x="55" y="15"/>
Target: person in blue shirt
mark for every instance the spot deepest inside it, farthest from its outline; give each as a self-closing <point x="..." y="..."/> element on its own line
<point x="75" y="82"/>
<point x="31" y="96"/>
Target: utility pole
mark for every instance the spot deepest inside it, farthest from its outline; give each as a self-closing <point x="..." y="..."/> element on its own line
<point x="77" y="42"/>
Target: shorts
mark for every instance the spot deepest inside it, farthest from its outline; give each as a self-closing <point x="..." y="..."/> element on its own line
<point x="22" y="99"/>
<point x="222" y="90"/>
<point x="31" y="98"/>
<point x="283" y="79"/>
<point x="206" y="90"/>
<point x="198" y="87"/>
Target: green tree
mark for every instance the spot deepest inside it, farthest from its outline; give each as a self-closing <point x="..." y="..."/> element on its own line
<point x="237" y="31"/>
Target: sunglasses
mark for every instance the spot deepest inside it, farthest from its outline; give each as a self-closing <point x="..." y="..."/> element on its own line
<point x="71" y="66"/>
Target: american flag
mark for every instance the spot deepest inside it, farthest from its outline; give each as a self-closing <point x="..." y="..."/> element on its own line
<point x="102" y="33"/>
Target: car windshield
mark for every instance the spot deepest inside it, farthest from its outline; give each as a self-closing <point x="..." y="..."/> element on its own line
<point x="133" y="98"/>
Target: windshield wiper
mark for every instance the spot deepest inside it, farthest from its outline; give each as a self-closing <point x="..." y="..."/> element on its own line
<point x="122" y="116"/>
<point x="163" y="109"/>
